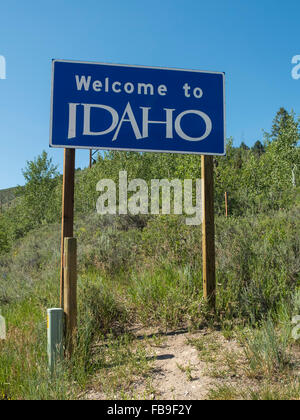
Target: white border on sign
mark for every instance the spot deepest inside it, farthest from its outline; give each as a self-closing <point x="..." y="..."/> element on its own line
<point x="125" y="149"/>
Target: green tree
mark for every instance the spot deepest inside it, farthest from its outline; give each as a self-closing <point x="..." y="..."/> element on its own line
<point x="272" y="178"/>
<point x="244" y="146"/>
<point x="258" y="148"/>
<point x="38" y="195"/>
<point x="280" y="122"/>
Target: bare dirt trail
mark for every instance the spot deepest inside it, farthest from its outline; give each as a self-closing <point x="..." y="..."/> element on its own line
<point x="179" y="374"/>
<point x="185" y="366"/>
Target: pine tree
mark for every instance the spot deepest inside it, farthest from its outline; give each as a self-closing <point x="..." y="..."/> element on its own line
<point x="258" y="148"/>
<point x="244" y="146"/>
<point x="280" y="122"/>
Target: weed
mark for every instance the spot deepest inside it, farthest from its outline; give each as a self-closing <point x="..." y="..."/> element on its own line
<point x="207" y="348"/>
<point x="187" y="370"/>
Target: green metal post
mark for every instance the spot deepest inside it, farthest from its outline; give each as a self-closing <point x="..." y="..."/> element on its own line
<point x="55" y="318"/>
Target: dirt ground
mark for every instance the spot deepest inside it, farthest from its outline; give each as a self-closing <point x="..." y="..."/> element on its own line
<point x="188" y="366"/>
<point x="170" y="380"/>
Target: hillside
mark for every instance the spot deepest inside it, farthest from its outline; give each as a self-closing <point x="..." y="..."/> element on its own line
<point x="7" y="195"/>
<point x="144" y="328"/>
<point x="139" y="305"/>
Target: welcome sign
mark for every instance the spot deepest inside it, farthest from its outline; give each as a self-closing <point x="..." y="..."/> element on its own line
<point x="120" y="107"/>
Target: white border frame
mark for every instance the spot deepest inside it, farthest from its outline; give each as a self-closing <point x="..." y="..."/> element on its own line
<point x="134" y="150"/>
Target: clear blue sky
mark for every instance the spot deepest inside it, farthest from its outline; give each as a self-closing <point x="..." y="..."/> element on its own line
<point x="252" y="41"/>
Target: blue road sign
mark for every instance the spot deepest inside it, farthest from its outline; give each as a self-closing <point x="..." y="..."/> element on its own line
<point x="121" y="107"/>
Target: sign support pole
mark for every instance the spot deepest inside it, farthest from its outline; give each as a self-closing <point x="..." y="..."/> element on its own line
<point x="208" y="230"/>
<point x="70" y="293"/>
<point x="67" y="210"/>
<point x="91" y="158"/>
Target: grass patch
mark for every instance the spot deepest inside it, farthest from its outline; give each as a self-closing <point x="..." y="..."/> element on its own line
<point x="223" y="393"/>
<point x="267" y="351"/>
<point x="167" y="296"/>
<point x="122" y="362"/>
<point x="207" y="348"/>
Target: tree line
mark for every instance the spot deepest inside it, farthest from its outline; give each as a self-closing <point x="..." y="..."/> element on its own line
<point x="258" y="179"/>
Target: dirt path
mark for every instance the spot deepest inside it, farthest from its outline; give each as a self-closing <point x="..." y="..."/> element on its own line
<point x="179" y="374"/>
<point x="185" y="366"/>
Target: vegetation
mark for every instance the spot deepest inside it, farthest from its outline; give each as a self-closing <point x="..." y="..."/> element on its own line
<point x="146" y="271"/>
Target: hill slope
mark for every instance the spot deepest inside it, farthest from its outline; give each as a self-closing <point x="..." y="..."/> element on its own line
<point x="7" y="195"/>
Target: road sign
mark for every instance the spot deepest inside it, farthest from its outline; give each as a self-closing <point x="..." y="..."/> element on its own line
<point x="120" y="107"/>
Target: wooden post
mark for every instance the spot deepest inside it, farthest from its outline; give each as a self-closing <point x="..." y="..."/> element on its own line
<point x="70" y="292"/>
<point x="208" y="230"/>
<point x="91" y="159"/>
<point x="226" y="205"/>
<point x="67" y="209"/>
